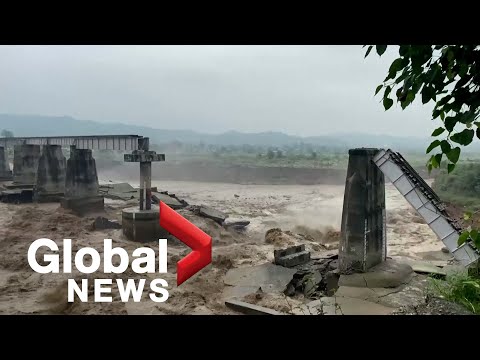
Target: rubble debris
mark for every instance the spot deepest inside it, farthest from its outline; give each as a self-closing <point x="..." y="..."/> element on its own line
<point x="445" y="250"/>
<point x="291" y="256"/>
<point x="237" y="196"/>
<point x="250" y="309"/>
<point x="311" y="282"/>
<point x="315" y="278"/>
<point x="102" y="223"/>
<point x="213" y="214"/>
<point x="290" y="290"/>
<point x="333" y="265"/>
<point x="268" y="277"/>
<point x="331" y="282"/>
<point x="238" y="225"/>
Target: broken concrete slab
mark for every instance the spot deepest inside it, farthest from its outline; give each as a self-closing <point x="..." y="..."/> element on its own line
<point x="102" y="223"/>
<point x="213" y="214"/>
<point x="168" y="200"/>
<point x="238" y="225"/>
<point x="250" y="309"/>
<point x="426" y="268"/>
<point x="119" y="187"/>
<point x="388" y="274"/>
<point x="411" y="294"/>
<point x="352" y="306"/>
<point x="322" y="306"/>
<point x="291" y="256"/>
<point x="369" y="294"/>
<point x="268" y="277"/>
<point x="120" y="191"/>
<point x="294" y="259"/>
<point x="312" y="308"/>
<point x="288" y="251"/>
<point x="311" y="282"/>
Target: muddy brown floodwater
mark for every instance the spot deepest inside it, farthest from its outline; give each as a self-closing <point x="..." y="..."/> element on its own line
<point x="313" y="210"/>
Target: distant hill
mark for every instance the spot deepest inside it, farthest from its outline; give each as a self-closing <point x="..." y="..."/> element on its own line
<point x="36" y="125"/>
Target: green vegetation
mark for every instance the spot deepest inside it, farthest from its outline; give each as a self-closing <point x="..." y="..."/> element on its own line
<point x="298" y="155"/>
<point x="461" y="187"/>
<point x="459" y="288"/>
<point x="301" y="155"/>
<point x="448" y="75"/>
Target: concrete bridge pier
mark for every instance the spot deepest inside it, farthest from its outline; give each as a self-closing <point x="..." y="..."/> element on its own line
<point x="5" y="172"/>
<point x="50" y="179"/>
<point x="25" y="164"/>
<point x="142" y="224"/>
<point x="81" y="183"/>
<point x="363" y="233"/>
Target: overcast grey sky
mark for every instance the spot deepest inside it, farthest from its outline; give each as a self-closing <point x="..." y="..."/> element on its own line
<point x="300" y="90"/>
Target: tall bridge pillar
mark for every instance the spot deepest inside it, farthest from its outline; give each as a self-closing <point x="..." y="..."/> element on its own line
<point x="25" y="163"/>
<point x="50" y="179"/>
<point x="363" y="233"/>
<point x="81" y="183"/>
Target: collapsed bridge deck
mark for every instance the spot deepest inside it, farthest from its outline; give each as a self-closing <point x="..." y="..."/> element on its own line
<point x="427" y="204"/>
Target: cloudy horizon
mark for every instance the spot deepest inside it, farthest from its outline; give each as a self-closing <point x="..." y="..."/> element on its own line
<point x="298" y="90"/>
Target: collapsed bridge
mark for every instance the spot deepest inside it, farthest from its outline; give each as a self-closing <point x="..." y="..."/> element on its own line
<point x="363" y="243"/>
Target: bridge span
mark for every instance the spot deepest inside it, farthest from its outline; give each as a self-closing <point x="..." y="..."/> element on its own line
<point x="93" y="142"/>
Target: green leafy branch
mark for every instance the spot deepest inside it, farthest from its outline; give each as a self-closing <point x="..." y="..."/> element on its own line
<point x="470" y="234"/>
<point x="448" y="75"/>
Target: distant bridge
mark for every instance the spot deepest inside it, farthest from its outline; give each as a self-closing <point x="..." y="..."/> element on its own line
<point x="93" y="142"/>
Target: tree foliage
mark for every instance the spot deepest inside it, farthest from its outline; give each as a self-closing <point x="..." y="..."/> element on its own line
<point x="448" y="76"/>
<point x="463" y="188"/>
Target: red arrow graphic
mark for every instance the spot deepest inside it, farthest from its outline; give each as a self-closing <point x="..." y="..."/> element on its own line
<point x="190" y="235"/>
